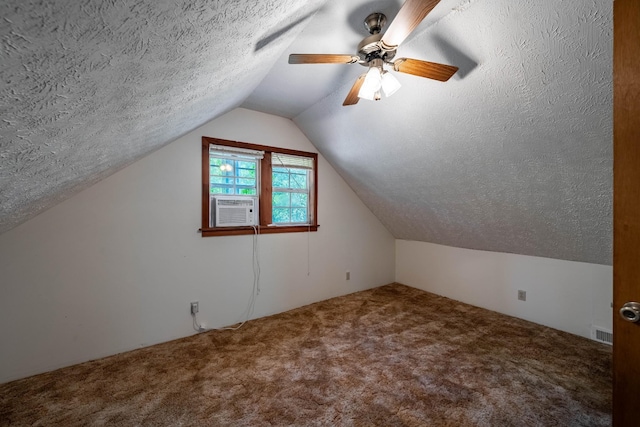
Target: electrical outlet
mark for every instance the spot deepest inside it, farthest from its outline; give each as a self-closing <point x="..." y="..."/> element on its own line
<point x="194" y="307"/>
<point x="522" y="295"/>
<point x="348" y="275"/>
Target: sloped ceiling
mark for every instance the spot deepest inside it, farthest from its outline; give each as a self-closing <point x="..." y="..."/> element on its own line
<point x="89" y="86"/>
<point x="513" y="154"/>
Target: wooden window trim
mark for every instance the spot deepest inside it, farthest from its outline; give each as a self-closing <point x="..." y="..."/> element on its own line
<point x="264" y="195"/>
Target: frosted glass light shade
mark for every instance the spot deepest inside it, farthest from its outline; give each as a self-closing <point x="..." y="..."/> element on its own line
<point x="371" y="85"/>
<point x="390" y="84"/>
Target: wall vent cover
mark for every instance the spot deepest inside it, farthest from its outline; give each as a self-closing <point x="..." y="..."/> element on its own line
<point x="602" y="335"/>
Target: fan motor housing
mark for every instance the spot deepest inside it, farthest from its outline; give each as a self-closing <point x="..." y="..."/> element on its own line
<point x="369" y="49"/>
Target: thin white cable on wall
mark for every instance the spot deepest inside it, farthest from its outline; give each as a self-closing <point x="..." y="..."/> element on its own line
<point x="308" y="249"/>
<point x="255" y="290"/>
<point x="256" y="257"/>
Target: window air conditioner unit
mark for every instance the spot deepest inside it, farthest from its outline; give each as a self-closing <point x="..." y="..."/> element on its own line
<point x="233" y="211"/>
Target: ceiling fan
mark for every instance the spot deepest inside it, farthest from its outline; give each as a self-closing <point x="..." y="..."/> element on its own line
<point x="377" y="49"/>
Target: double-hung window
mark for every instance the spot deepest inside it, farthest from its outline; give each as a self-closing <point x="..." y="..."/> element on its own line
<point x="277" y="185"/>
<point x="291" y="178"/>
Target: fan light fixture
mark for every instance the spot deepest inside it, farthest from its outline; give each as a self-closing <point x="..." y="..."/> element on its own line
<point x="378" y="49"/>
<point x="377" y="79"/>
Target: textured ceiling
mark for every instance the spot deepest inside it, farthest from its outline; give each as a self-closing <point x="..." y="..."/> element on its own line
<point x="89" y="86"/>
<point x="513" y="154"/>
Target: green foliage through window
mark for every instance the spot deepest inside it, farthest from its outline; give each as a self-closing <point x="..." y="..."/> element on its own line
<point x="290" y="196"/>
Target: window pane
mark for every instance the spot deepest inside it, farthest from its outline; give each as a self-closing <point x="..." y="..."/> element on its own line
<point x="218" y="172"/>
<point x="277" y="169"/>
<point x="280" y="215"/>
<point x="245" y="165"/>
<point x="246" y="173"/>
<point x="247" y="191"/>
<point x="280" y="180"/>
<point x="298" y="180"/>
<point x="213" y="161"/>
<point x="299" y="200"/>
<point x="221" y="190"/>
<point x="299" y="215"/>
<point x="281" y="199"/>
<point x="221" y="180"/>
<point x="215" y="164"/>
<point x="243" y="181"/>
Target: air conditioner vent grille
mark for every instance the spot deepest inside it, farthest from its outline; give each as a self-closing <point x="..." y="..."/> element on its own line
<point x="235" y="202"/>
<point x="232" y="216"/>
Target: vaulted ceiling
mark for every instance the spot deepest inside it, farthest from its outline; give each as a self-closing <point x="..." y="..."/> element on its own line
<point x="513" y="154"/>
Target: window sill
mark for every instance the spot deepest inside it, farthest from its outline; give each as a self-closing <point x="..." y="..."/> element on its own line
<point x="262" y="229"/>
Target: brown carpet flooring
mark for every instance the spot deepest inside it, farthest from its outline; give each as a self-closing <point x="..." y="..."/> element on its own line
<point x="391" y="356"/>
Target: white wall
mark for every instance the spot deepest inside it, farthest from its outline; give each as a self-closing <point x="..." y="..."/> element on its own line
<point x="115" y="267"/>
<point x="566" y="295"/>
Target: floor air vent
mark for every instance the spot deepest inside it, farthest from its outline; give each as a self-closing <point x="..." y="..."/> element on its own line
<point x="601" y="335"/>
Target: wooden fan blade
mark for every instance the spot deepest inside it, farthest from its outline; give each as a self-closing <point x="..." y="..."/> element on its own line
<point x="352" y="97"/>
<point x="410" y="15"/>
<point x="320" y="58"/>
<point x="430" y="70"/>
